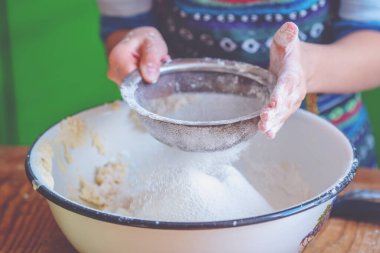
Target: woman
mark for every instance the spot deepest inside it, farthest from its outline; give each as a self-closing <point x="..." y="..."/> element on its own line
<point x="318" y="50"/>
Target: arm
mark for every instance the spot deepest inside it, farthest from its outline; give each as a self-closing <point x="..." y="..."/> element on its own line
<point x="351" y="64"/>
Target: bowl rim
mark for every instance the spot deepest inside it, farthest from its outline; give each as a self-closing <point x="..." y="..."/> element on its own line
<point x="130" y="85"/>
<point x="114" y="218"/>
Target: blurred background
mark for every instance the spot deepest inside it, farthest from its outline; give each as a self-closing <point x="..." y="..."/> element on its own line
<point x="52" y="64"/>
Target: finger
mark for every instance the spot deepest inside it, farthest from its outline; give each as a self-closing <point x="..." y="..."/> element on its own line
<point x="122" y="60"/>
<point x="284" y="41"/>
<point x="285" y="100"/>
<point x="117" y="73"/>
<point x="271" y="122"/>
<point x="271" y="134"/>
<point x="153" y="51"/>
<point x="166" y="59"/>
<point x="272" y="103"/>
<point x="286" y="35"/>
<point x="113" y="76"/>
<point x="264" y="115"/>
<point x="268" y="118"/>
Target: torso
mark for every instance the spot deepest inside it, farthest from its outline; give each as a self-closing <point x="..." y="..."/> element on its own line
<point x="243" y="29"/>
<point x="240" y="31"/>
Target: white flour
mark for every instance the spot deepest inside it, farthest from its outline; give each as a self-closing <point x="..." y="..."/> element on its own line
<point x="280" y="183"/>
<point x="205" y="106"/>
<point x="207" y="187"/>
<point x="186" y="187"/>
<point x="173" y="185"/>
<point x="193" y="194"/>
<point x="167" y="184"/>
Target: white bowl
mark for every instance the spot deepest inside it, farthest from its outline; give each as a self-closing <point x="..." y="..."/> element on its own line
<point x="321" y="152"/>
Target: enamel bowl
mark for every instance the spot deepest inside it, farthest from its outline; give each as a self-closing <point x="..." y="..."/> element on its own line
<point x="321" y="155"/>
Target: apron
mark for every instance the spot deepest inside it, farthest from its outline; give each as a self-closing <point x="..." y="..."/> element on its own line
<point x="242" y="30"/>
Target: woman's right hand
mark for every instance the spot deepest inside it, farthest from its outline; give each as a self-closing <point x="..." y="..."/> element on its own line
<point x="142" y="48"/>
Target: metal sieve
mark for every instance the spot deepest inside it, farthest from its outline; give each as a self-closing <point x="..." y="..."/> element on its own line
<point x="200" y="104"/>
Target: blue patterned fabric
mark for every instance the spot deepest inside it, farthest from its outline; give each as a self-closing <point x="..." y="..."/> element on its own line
<point x="241" y="32"/>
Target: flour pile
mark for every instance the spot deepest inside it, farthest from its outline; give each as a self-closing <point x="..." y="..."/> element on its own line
<point x="188" y="187"/>
<point x="195" y="194"/>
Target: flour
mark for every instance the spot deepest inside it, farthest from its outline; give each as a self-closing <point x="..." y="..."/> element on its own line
<point x="171" y="104"/>
<point x="46" y="162"/>
<point x="72" y="135"/>
<point x="189" y="187"/>
<point x="194" y="194"/>
<point x="280" y="183"/>
<point x="102" y="192"/>
<point x="204" y="106"/>
<point x="133" y="116"/>
<point x="96" y="142"/>
<point x="178" y="186"/>
<point x="74" y="132"/>
<point x="116" y="105"/>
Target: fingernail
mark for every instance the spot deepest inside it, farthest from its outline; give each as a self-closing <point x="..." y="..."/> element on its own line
<point x="286" y="34"/>
<point x="273" y="103"/>
<point x="152" y="73"/>
<point x="166" y="59"/>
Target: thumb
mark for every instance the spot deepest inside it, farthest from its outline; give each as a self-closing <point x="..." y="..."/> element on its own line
<point x="286" y="35"/>
<point x="151" y="58"/>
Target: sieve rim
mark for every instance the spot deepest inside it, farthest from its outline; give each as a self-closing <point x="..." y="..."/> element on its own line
<point x="260" y="75"/>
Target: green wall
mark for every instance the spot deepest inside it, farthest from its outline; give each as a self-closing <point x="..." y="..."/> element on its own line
<point x="7" y="108"/>
<point x="58" y="65"/>
<point x="372" y="100"/>
<point x="2" y="104"/>
<point x="52" y="65"/>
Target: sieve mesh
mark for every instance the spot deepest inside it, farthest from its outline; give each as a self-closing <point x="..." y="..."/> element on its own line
<point x="200" y="104"/>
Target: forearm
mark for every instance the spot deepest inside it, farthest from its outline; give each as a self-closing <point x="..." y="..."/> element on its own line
<point x="349" y="65"/>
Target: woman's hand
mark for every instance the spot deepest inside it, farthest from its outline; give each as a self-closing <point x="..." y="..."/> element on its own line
<point x="290" y="89"/>
<point x="142" y="48"/>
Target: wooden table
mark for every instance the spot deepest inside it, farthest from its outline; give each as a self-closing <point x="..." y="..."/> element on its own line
<point x="27" y="225"/>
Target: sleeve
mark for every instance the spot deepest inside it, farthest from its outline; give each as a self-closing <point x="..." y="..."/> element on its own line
<point x="357" y="15"/>
<point x="124" y="14"/>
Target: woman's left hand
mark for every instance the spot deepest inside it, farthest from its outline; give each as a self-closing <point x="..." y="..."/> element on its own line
<point x="290" y="88"/>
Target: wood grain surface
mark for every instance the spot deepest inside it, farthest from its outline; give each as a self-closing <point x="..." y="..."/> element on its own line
<point x="27" y="225"/>
<point x="344" y="236"/>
